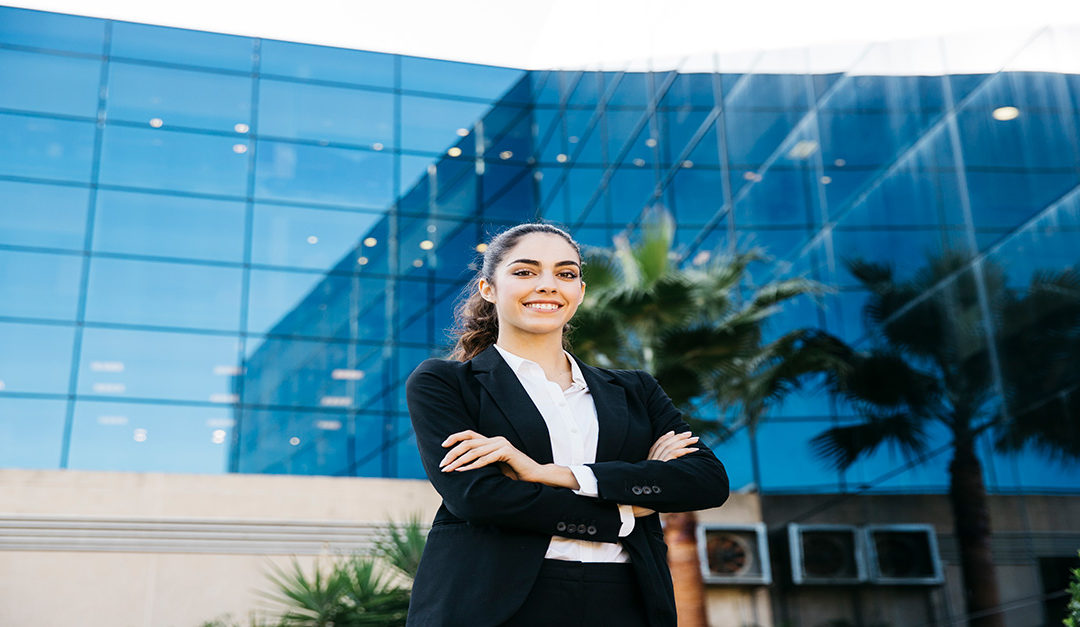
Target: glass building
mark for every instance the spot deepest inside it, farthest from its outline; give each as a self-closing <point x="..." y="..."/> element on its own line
<point x="226" y="254"/>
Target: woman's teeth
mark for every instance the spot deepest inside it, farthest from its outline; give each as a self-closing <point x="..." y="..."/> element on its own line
<point x="542" y="306"/>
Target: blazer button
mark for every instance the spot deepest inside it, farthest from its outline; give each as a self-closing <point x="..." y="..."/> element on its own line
<point x="646" y="490"/>
<point x="581" y="528"/>
<point x="561" y="526"/>
<point x="636" y="489"/>
<point x="591" y="530"/>
<point x="656" y="489"/>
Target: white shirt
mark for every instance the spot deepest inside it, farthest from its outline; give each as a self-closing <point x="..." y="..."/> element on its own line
<point x="570" y="416"/>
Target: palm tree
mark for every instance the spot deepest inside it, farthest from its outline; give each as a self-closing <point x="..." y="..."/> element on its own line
<point x="931" y="362"/>
<point x="703" y="338"/>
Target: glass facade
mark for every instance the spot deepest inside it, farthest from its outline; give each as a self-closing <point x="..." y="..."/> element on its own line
<point x="226" y="254"/>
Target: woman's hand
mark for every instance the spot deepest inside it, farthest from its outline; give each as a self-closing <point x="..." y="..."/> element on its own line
<point x="671" y="446"/>
<point x="472" y="450"/>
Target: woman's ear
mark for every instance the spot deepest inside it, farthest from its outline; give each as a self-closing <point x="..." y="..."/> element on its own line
<point x="486" y="290"/>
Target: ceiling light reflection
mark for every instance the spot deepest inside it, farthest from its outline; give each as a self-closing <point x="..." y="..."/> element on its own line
<point x="377" y="146"/>
<point x="295" y="441"/>
<point x="480" y="248"/>
<point x="156" y="122"/>
<point x="239" y="148"/>
<point x="454" y="152"/>
<point x="651" y="143"/>
<point x="506" y="154"/>
<point x="328" y="425"/>
<point x="362" y="260"/>
<point x="312" y="239"/>
<point x="241" y="128"/>
<point x="347" y="374"/>
<point x="462" y="132"/>
<point x="224" y="397"/>
<point x="1004" y="114"/>
<point x="427" y="244"/>
<point x="139" y="435"/>
<point x="112" y="420"/>
<point x="370" y="241"/>
<point x="336" y="401"/>
<point x="561" y="158"/>
<point x="107" y="366"/>
<point x="110" y="388"/>
<point x="218" y="436"/>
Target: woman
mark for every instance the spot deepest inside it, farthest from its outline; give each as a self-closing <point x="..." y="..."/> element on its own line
<point x="551" y="470"/>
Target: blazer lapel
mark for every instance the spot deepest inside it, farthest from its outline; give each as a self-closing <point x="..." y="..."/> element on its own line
<point x="513" y="401"/>
<point x="611" y="412"/>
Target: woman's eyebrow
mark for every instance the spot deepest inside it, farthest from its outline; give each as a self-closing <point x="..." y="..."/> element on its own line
<point x="533" y="262"/>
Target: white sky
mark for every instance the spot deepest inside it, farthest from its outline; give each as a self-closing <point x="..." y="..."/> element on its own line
<point x="563" y="34"/>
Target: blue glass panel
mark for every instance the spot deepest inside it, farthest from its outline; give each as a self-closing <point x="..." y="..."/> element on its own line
<point x="632" y="132"/>
<point x="31" y="432"/>
<point x="160" y="159"/>
<point x="163" y="294"/>
<point x="51" y="30"/>
<point x="169" y="226"/>
<point x="139" y="93"/>
<point x="40" y="147"/>
<point x="516" y="203"/>
<point x="780" y="197"/>
<point x="312" y="238"/>
<point x="414" y="172"/>
<point x="48" y="83"/>
<point x="631" y="190"/>
<point x="39" y="285"/>
<point x="141" y="437"/>
<point x="1008" y="199"/>
<point x="407" y="457"/>
<point x="863" y="139"/>
<point x="892" y="93"/>
<point x="587" y="91"/>
<point x="323" y="174"/>
<point x="458" y="79"/>
<point x="548" y="138"/>
<point x="907" y="196"/>
<point x="779" y="243"/>
<point x="583" y="187"/>
<point x="508" y="133"/>
<point x="455" y="246"/>
<point x="632" y="91"/>
<point x="689" y="90"/>
<point x="786" y="460"/>
<point x="176" y="45"/>
<point x="1030" y="470"/>
<point x="679" y="127"/>
<point x="780" y="91"/>
<point x="906" y="250"/>
<point x="546" y="87"/>
<point x="699" y="194"/>
<point x="1042" y="139"/>
<point x="35" y="358"/>
<point x="436" y="124"/>
<point x="928" y="476"/>
<point x="499" y="176"/>
<point x="585" y="141"/>
<point x="42" y="215"/>
<point x="326" y="63"/>
<point x="456" y="194"/>
<point x="149" y="364"/>
<point x="314" y="305"/>
<point x="321" y="444"/>
<point x="334" y="114"/>
<point x="307" y="373"/>
<point x="734" y="453"/>
<point x="754" y="136"/>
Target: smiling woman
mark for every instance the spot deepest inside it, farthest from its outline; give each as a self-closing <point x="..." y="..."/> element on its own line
<point x="551" y="470"/>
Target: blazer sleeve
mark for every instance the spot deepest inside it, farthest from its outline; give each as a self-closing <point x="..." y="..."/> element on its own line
<point x="484" y="495"/>
<point x="691" y="482"/>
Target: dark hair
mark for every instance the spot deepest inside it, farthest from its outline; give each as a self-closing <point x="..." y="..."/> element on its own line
<point x="476" y="323"/>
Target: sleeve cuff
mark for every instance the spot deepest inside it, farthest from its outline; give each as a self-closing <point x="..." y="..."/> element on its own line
<point x="626" y="513"/>
<point x="587" y="485"/>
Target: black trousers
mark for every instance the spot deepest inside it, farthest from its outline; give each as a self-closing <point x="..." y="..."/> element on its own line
<point x="576" y="594"/>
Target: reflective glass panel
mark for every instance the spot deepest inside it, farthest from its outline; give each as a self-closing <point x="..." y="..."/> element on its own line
<point x="44" y="148"/>
<point x="344" y="176"/>
<point x="161" y="159"/>
<point x="141" y="93"/>
<point x="35" y="358"/>
<point x="437" y="124"/>
<point x="42" y="215"/>
<point x="39" y="285"/>
<point x="185" y="47"/>
<point x="315" y="305"/>
<point x="457" y="79"/>
<point x="31" y="432"/>
<point x="312" y="238"/>
<point x="353" y="116"/>
<point x="326" y="63"/>
<point x="49" y="83"/>
<point x="37" y="29"/>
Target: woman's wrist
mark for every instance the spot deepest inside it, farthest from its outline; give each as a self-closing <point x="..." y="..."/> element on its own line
<point x="552" y="475"/>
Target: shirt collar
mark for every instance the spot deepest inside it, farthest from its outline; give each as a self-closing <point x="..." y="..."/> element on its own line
<point x="519" y="364"/>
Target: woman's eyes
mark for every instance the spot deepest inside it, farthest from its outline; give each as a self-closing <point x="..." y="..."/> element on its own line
<point x="566" y="274"/>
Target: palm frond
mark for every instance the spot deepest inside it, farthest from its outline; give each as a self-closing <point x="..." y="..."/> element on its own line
<point x="842" y="446"/>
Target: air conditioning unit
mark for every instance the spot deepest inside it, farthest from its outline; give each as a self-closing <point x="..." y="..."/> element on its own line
<point x="734" y="554"/>
<point x="826" y="554"/>
<point x="903" y="555"/>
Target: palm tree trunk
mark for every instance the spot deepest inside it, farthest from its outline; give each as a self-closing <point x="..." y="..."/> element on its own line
<point x="680" y="534"/>
<point x="971" y="519"/>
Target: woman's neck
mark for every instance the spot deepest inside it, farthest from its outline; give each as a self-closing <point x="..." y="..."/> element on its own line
<point x="547" y="351"/>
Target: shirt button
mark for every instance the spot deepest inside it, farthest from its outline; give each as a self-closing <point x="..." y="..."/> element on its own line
<point x="636" y="489"/>
<point x="656" y="489"/>
<point x="591" y="530"/>
<point x="646" y="490"/>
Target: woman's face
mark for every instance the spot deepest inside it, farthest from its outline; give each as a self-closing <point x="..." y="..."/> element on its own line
<point x="537" y="285"/>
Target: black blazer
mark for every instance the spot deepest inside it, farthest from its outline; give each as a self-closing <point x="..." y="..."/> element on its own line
<point x="490" y="534"/>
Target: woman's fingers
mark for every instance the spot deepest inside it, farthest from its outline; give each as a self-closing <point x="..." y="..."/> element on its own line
<point x="459" y="436"/>
<point x="674" y="447"/>
<point x="469" y="454"/>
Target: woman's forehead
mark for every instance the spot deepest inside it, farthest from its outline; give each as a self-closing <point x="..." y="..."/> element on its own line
<point x="543" y="247"/>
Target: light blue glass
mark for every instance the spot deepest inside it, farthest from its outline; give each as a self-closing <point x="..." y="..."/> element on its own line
<point x="587" y="91"/>
<point x="148" y="437"/>
<point x="37" y="29"/>
<point x="169" y="226"/>
<point x="358" y="178"/>
<point x="584" y="191"/>
<point x="632" y="90"/>
<point x="307" y="373"/>
<point x="772" y="91"/>
<point x="320" y="447"/>
<point x="315" y="305"/>
<point x="161" y="159"/>
<point x="312" y="238"/>
<point x="437" y="124"/>
<point x="158" y="365"/>
<point x="39" y="285"/>
<point x="31" y="432"/>
<point x="180" y="46"/>
<point x="326" y="63"/>
<point x="47" y="83"/>
<point x="786" y="461"/>
<point x="584" y="138"/>
<point x="299" y="111"/>
<point x="43" y="215"/>
<point x="140" y="93"/>
<point x="163" y="294"/>
<point x="407" y="457"/>
<point x="734" y="453"/>
<point x="35" y="358"/>
<point x="44" y="148"/>
<point x="631" y="136"/>
<point x="457" y="79"/>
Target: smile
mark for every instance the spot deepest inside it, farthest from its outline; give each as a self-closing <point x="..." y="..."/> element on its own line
<point x="543" y="306"/>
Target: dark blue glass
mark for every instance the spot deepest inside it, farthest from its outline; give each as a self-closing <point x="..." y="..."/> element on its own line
<point x="37" y="29"/>
<point x="1008" y="199"/>
<point x="307" y="373"/>
<point x="630" y="135"/>
<point x="698" y="195"/>
<point x="886" y="93"/>
<point x="517" y="202"/>
<point x="631" y="91"/>
<point x="437" y="124"/>
<point x="865" y="139"/>
<point x="734" y="452"/>
<point x="43" y="215"/>
<point x="1035" y="139"/>
<point x="689" y="90"/>
<point x="313" y="238"/>
<point x="169" y="226"/>
<point x="407" y="457"/>
<point x="44" y="148"/>
<point x="304" y="442"/>
<point x="786" y="461"/>
<point x="457" y="79"/>
<point x="455" y="248"/>
<point x="31" y="431"/>
<point x="631" y="190"/>
<point x="180" y="46"/>
<point x="163" y="294"/>
<point x="680" y="126"/>
<point x="352" y="116"/>
<point x="584" y="138"/>
<point x="47" y="83"/>
<point x="39" y="285"/>
<point x="755" y="136"/>
<point x="906" y="250"/>
<point x="583" y="188"/>
<point x="157" y="365"/>
<point x="36" y="358"/>
<point x="909" y="195"/>
<point x="325" y="63"/>
<point x="499" y="176"/>
<point x="777" y="197"/>
<point x="878" y="471"/>
<point x="142" y="437"/>
<point x="344" y="176"/>
<point x="179" y="98"/>
<point x="316" y="305"/>
<point x="508" y="130"/>
<point x="161" y="159"/>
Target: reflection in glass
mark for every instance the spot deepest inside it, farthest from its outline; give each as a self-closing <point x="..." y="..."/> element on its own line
<point x="179" y="98"/>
